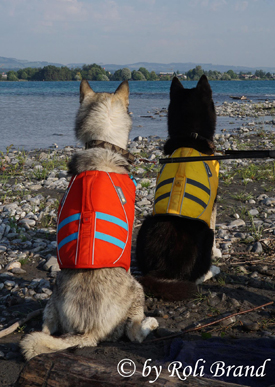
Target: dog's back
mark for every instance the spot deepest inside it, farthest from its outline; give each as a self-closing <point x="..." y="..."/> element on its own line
<point x="174" y="251"/>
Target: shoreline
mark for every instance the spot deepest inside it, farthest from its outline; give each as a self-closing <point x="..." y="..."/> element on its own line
<point x="232" y="117"/>
<point x="142" y="80"/>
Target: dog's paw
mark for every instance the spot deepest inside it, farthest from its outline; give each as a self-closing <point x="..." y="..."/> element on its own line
<point x="216" y="253"/>
<point x="148" y="325"/>
<point x="214" y="270"/>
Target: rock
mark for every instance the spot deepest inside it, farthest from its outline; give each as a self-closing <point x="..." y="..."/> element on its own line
<point x="214" y="301"/>
<point x="235" y="302"/>
<point x="18" y="271"/>
<point x="140" y="171"/>
<point x="35" y="187"/>
<point x="257" y="248"/>
<point x="228" y="321"/>
<point x="40" y="296"/>
<point x="269" y="201"/>
<point x="242" y="269"/>
<point x="254" y="326"/>
<point x="236" y="223"/>
<point x="253" y="212"/>
<point x="9" y="284"/>
<point x="34" y="283"/>
<point x="47" y="291"/>
<point x="51" y="264"/>
<point x="44" y="284"/>
<point x="252" y="201"/>
<point x="27" y="223"/>
<point x="13" y="265"/>
<point x="240" y="235"/>
<point x="144" y="202"/>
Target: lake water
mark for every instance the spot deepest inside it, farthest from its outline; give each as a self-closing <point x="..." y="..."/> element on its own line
<point x="39" y="114"/>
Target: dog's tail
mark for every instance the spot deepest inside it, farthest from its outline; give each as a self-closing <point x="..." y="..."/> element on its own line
<point x="37" y="343"/>
<point x="168" y="289"/>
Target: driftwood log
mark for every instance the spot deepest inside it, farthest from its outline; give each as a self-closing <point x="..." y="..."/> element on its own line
<point x="65" y="369"/>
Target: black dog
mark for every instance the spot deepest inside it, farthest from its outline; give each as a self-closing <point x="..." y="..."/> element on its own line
<point x="174" y="250"/>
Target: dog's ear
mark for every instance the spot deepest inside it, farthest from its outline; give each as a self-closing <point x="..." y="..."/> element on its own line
<point x="203" y="85"/>
<point x="123" y="92"/>
<point x="176" y="85"/>
<point x="85" y="89"/>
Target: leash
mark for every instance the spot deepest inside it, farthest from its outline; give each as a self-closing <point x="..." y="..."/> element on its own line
<point x="228" y="155"/>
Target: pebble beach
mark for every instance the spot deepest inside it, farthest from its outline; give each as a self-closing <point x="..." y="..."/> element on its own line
<point x="32" y="184"/>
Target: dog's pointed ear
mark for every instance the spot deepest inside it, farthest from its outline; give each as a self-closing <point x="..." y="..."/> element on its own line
<point x="203" y="85"/>
<point x="85" y="89"/>
<point x="176" y="85"/>
<point x="123" y="92"/>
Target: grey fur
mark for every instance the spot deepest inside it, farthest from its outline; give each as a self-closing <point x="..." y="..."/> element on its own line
<point x="89" y="306"/>
<point x="97" y="159"/>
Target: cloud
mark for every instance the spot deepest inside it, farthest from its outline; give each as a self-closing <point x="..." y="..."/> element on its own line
<point x="217" y="4"/>
<point x="241" y="6"/>
<point x="213" y="5"/>
<point x="62" y="10"/>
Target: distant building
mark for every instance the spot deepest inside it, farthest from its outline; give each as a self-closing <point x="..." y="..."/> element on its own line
<point x="162" y="73"/>
<point x="172" y="73"/>
<point x="247" y="76"/>
<point x="4" y="76"/>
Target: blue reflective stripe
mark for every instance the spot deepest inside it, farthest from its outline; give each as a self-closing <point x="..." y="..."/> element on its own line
<point x="133" y="180"/>
<point x="68" y="220"/>
<point x="112" y="219"/>
<point x="109" y="239"/>
<point x="68" y="239"/>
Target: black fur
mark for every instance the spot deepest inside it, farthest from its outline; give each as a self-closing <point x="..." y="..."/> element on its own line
<point x="170" y="247"/>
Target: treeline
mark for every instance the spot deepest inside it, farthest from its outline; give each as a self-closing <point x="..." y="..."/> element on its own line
<point x="92" y="72"/>
<point x="213" y="75"/>
<point x="95" y="72"/>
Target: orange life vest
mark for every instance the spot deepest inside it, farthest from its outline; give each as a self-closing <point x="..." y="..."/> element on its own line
<point x="95" y="221"/>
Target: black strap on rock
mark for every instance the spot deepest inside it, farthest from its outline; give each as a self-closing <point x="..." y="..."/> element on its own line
<point x="228" y="155"/>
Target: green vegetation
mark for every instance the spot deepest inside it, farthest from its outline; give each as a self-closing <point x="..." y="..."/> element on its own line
<point x="95" y="72"/>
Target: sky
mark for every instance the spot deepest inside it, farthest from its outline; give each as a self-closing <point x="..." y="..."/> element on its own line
<point x="228" y="32"/>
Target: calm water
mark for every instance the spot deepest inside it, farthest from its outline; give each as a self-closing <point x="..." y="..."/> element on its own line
<point x="38" y="114"/>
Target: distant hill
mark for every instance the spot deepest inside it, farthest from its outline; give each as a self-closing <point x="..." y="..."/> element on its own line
<point x="7" y="64"/>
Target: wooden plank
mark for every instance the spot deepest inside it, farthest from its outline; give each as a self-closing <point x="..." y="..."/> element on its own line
<point x="68" y="370"/>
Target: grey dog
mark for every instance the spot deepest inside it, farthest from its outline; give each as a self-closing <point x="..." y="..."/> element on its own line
<point x="91" y="305"/>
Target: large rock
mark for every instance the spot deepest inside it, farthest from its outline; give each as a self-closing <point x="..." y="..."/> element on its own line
<point x="51" y="265"/>
<point x="236" y="223"/>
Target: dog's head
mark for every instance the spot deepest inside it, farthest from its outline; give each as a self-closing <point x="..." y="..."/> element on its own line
<point x="103" y="116"/>
<point x="191" y="110"/>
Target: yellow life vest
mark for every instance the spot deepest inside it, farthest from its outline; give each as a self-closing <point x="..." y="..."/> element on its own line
<point x="187" y="189"/>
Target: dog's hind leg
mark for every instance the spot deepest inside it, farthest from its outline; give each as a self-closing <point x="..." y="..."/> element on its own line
<point x="51" y="318"/>
<point x="215" y="252"/>
<point x="137" y="326"/>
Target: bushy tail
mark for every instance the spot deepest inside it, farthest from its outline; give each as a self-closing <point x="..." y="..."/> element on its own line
<point x="168" y="289"/>
<point x="39" y="342"/>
